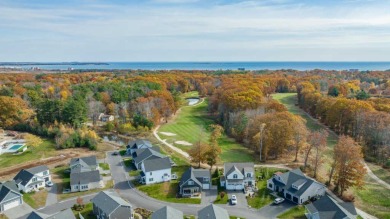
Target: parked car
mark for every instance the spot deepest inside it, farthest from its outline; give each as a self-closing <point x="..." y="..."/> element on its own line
<point x="278" y="201"/>
<point x="115" y="153"/>
<point x="66" y="191"/>
<point x="49" y="183"/>
<point x="233" y="200"/>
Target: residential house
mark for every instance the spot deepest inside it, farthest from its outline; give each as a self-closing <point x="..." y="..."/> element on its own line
<point x="237" y="176"/>
<point x="327" y="207"/>
<point x="137" y="144"/>
<point x="156" y="170"/>
<point x="213" y="212"/>
<point x="193" y="181"/>
<point x="10" y="196"/>
<point x="295" y="186"/>
<point x="65" y="214"/>
<point x="84" y="174"/>
<point x="32" y="179"/>
<point x="140" y="155"/>
<point x="106" y="118"/>
<point x="109" y="205"/>
<point x="167" y="212"/>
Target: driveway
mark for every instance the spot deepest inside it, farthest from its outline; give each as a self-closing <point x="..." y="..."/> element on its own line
<point x="209" y="196"/>
<point x="19" y="211"/>
<point x="51" y="195"/>
<point x="271" y="211"/>
<point x="241" y="199"/>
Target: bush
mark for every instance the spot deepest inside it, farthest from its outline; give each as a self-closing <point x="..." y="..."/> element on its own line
<point x="222" y="194"/>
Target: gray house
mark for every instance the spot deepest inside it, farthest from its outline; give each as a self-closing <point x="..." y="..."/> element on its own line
<point x="32" y="179"/>
<point x="327" y="207"/>
<point x="83" y="164"/>
<point x="9" y="196"/>
<point x="193" y="181"/>
<point x="167" y="213"/>
<point x="65" y="214"/>
<point x="137" y="144"/>
<point x="213" y="212"/>
<point x="140" y="155"/>
<point x="83" y="181"/>
<point x="109" y="205"/>
<point x="295" y="186"/>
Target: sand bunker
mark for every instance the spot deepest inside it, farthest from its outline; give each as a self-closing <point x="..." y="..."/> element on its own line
<point x="168" y="133"/>
<point x="183" y="143"/>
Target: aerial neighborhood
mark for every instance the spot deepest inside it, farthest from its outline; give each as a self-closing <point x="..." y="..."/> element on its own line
<point x="195" y="145"/>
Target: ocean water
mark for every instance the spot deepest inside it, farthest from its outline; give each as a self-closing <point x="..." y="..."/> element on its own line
<point x="209" y="66"/>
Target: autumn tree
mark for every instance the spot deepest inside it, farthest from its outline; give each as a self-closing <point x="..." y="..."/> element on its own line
<point x="199" y="150"/>
<point x="213" y="152"/>
<point x="32" y="140"/>
<point x="316" y="142"/>
<point x="300" y="133"/>
<point x="349" y="168"/>
<point x="13" y="110"/>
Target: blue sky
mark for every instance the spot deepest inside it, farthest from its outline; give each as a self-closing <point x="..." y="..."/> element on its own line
<point x="195" y="30"/>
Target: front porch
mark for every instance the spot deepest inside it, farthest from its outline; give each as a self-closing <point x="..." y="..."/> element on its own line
<point x="192" y="192"/>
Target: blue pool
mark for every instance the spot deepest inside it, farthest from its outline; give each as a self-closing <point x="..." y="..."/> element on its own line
<point x="16" y="147"/>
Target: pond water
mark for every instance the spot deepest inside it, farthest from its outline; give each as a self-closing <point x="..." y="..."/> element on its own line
<point x="115" y="139"/>
<point x="192" y="101"/>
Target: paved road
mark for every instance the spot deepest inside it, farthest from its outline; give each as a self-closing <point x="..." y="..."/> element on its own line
<point x="51" y="195"/>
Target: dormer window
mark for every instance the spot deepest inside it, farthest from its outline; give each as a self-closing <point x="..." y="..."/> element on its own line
<point x="190" y="183"/>
<point x="235" y="176"/>
<point x="248" y="175"/>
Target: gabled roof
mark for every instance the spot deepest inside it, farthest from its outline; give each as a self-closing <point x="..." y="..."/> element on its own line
<point x="167" y="212"/>
<point x="213" y="212"/>
<point x="8" y="190"/>
<point x="139" y="143"/>
<point x="196" y="175"/>
<point x="90" y="161"/>
<point x="109" y="201"/>
<point x="240" y="167"/>
<point x="297" y="178"/>
<point x="327" y="207"/>
<point x="137" y="152"/>
<point x="65" y="214"/>
<point x="148" y="152"/>
<point x="157" y="164"/>
<point x="25" y="175"/>
<point x="85" y="177"/>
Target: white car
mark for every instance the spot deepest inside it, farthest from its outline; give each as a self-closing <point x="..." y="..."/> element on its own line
<point x="278" y="201"/>
<point x="233" y="200"/>
<point x="49" y="183"/>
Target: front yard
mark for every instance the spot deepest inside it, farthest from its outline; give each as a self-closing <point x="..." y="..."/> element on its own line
<point x="35" y="199"/>
<point x="86" y="212"/>
<point x="263" y="196"/>
<point x="104" y="166"/>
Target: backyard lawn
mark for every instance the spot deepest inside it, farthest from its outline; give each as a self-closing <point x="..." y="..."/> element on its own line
<point x="297" y="212"/>
<point x="187" y="127"/>
<point x="35" y="199"/>
<point x="86" y="212"/>
<point x="46" y="149"/>
<point x="104" y="166"/>
<point x="263" y="197"/>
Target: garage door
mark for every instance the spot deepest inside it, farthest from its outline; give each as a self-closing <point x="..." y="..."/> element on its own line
<point x="11" y="204"/>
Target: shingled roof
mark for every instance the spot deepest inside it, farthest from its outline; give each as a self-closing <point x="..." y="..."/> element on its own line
<point x="25" y="175"/>
<point x="109" y="201"/>
<point x="213" y="212"/>
<point x="157" y="164"/>
<point x="167" y="212"/>
<point x="196" y="175"/>
<point x="8" y="190"/>
<point x="327" y="207"/>
<point x="84" y="177"/>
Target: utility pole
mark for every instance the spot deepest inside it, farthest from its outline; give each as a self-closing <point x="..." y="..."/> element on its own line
<point x="262" y="127"/>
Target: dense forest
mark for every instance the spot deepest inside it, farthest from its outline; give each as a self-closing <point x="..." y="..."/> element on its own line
<point x="59" y="105"/>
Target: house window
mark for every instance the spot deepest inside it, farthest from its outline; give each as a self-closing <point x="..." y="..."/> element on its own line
<point x="84" y="187"/>
<point x="76" y="187"/>
<point x="150" y="179"/>
<point x="235" y="176"/>
<point x="34" y="179"/>
<point x="45" y="173"/>
<point x="205" y="179"/>
<point x="150" y="173"/>
<point x="270" y="185"/>
<point x="248" y="175"/>
<point x="190" y="183"/>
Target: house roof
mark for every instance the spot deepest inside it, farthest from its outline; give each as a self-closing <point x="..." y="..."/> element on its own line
<point x="213" y="212"/>
<point x="38" y="169"/>
<point x="327" y="207"/>
<point x="8" y="190"/>
<point x="196" y="175"/>
<point x="137" y="152"/>
<point x="148" y="152"/>
<point x="157" y="164"/>
<point x="85" y="177"/>
<point x="167" y="212"/>
<point x="139" y="143"/>
<point x="65" y="214"/>
<point x="25" y="175"/>
<point x="90" y="161"/>
<point x="109" y="201"/>
<point x="241" y="167"/>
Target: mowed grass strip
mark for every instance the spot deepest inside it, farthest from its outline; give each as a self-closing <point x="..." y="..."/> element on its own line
<point x="190" y="122"/>
<point x="297" y="212"/>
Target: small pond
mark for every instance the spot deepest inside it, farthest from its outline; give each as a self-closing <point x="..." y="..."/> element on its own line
<point x="114" y="138"/>
<point x="192" y="101"/>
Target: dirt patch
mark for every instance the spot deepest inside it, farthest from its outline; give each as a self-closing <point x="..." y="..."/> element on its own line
<point x="185" y="143"/>
<point x="168" y="133"/>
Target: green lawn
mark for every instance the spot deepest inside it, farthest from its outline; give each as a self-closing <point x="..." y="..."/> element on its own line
<point x="263" y="197"/>
<point x="86" y="212"/>
<point x="134" y="172"/>
<point x="188" y="125"/>
<point x="167" y="191"/>
<point x="383" y="174"/>
<point x="222" y="200"/>
<point x="46" y="149"/>
<point x="109" y="185"/>
<point x="35" y="199"/>
<point x="104" y="166"/>
<point x="297" y="212"/>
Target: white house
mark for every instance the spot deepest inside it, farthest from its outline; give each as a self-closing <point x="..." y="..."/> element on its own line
<point x="295" y="186"/>
<point x="32" y="179"/>
<point x="10" y="197"/>
<point x="156" y="170"/>
<point x="140" y="155"/>
<point x="106" y="118"/>
<point x="237" y="176"/>
<point x="84" y="174"/>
